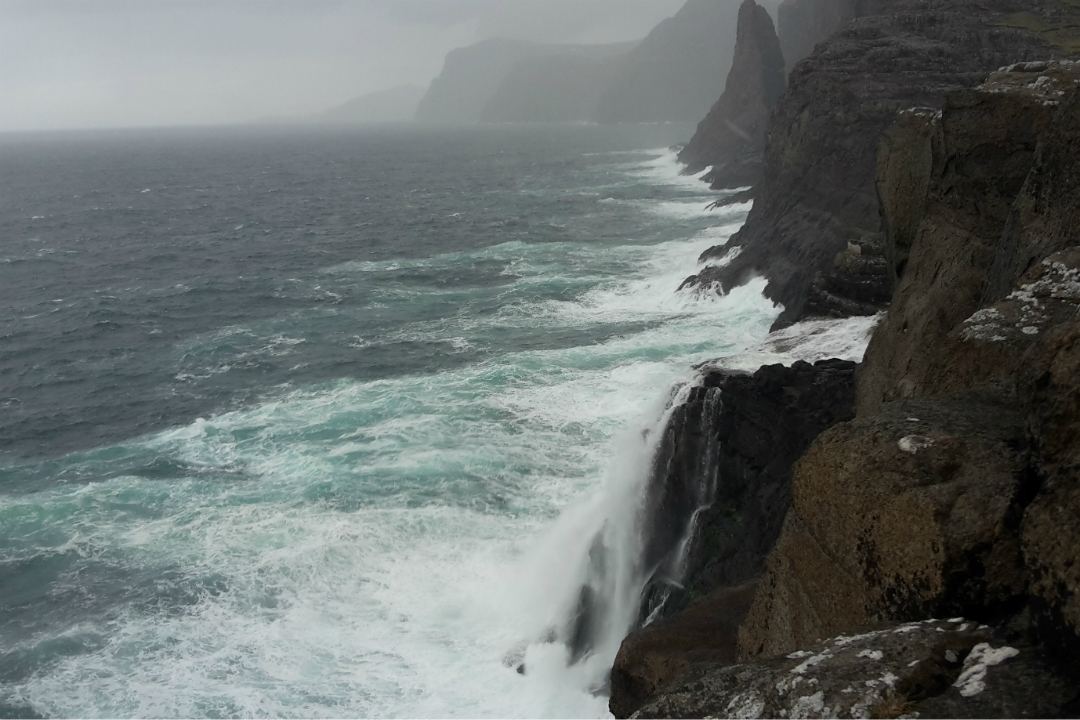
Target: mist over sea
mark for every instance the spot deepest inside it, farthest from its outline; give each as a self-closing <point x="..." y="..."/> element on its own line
<point x="320" y="424"/>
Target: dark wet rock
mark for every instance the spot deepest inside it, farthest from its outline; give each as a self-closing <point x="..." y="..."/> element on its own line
<point x="982" y="150"/>
<point x="731" y="138"/>
<point x="995" y="683"/>
<point x="857" y="283"/>
<point x="727" y="460"/>
<point x="934" y="668"/>
<point x="718" y="495"/>
<point x="905" y="168"/>
<point x="734" y="198"/>
<point x="910" y="513"/>
<point x="652" y="658"/>
<point x="1046" y="216"/>
<point x="1050" y="389"/>
<point x="818" y="193"/>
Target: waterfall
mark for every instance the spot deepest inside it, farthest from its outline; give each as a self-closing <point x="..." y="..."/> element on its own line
<point x="632" y="539"/>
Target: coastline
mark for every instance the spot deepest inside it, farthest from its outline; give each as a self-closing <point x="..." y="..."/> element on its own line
<point x="931" y="494"/>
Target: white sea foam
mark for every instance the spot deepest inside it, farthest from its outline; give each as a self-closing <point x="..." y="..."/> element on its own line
<point x="810" y="341"/>
<point x="378" y="548"/>
<point x="664" y="168"/>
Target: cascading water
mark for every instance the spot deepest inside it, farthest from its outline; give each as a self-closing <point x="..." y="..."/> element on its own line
<point x="635" y="561"/>
<point x="323" y="425"/>
<point x="618" y="542"/>
<point x="641" y="530"/>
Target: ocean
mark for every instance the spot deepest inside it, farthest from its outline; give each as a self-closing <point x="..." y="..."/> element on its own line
<point x="302" y="423"/>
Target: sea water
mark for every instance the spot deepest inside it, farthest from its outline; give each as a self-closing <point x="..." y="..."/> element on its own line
<point x="321" y="424"/>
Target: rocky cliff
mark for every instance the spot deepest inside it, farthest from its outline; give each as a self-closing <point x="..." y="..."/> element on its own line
<point x="954" y="492"/>
<point x="731" y="138"/>
<point x="553" y="88"/>
<point x="473" y="76"/>
<point x="673" y="75"/>
<point x="815" y="231"/>
<point x="678" y="70"/>
<point x="388" y="106"/>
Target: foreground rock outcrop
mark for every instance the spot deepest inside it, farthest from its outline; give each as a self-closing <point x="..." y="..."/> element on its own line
<point x="935" y="668"/>
<point x="731" y="138"/>
<point x="815" y="231"/>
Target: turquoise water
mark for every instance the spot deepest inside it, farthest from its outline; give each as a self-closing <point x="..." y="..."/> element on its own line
<point x="374" y="505"/>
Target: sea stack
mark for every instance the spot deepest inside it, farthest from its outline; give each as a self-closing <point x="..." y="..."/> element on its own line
<point x="731" y="138"/>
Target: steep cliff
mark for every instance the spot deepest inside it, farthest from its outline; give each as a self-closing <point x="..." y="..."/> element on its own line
<point x="552" y="88"/>
<point x="987" y="219"/>
<point x="673" y="75"/>
<point x="955" y="492"/>
<point x="731" y="138"/>
<point x="473" y="76"/>
<point x="678" y="70"/>
<point x="815" y="231"/>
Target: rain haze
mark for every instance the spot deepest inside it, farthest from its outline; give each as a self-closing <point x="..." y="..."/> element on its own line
<point x="128" y="63"/>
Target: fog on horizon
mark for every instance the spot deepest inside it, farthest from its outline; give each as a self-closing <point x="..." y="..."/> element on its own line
<point x="67" y="64"/>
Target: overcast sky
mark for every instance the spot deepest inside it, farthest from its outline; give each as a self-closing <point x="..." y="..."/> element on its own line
<point x="117" y="63"/>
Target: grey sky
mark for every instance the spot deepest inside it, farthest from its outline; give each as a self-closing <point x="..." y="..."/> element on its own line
<point x="101" y="63"/>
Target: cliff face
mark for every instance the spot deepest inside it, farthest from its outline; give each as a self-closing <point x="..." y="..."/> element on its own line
<point x="678" y="70"/>
<point x="958" y="497"/>
<point x="502" y="73"/>
<point x="731" y="138"/>
<point x="955" y="492"/>
<point x="553" y="88"/>
<point x="673" y="75"/>
<point x="815" y="231"/>
<point x="988" y="217"/>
